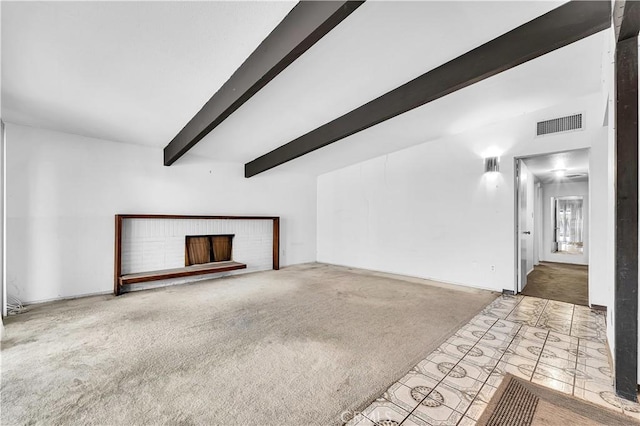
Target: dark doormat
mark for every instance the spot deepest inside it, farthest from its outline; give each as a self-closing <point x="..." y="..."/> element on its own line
<point x="521" y="403"/>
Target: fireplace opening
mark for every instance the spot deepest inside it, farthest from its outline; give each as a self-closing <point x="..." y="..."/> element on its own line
<point x="201" y="249"/>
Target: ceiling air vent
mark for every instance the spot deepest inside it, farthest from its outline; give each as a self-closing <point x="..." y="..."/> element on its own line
<point x="576" y="175"/>
<point x="557" y="125"/>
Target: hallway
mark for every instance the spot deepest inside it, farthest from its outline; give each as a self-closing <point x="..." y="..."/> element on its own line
<point x="559" y="281"/>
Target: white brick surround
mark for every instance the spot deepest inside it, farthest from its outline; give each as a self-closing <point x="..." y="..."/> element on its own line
<point x="156" y="244"/>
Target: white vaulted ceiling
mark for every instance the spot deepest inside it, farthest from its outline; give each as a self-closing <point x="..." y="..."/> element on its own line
<point x="137" y="72"/>
<point x="556" y="78"/>
<point x="381" y="46"/>
<point x="131" y="72"/>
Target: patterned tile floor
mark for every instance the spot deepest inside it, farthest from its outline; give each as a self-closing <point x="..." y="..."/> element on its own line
<point x="554" y="344"/>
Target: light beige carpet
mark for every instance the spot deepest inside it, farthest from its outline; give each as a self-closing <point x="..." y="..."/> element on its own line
<point x="292" y="347"/>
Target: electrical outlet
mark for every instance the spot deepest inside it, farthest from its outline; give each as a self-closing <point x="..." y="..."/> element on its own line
<point x="493" y="268"/>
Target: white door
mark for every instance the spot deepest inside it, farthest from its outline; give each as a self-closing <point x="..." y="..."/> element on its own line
<point x="523" y="234"/>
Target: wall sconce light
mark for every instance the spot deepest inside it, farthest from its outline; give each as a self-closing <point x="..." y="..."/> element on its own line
<point x="492" y="164"/>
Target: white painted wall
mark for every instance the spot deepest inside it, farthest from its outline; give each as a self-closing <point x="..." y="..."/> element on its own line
<point x="602" y="209"/>
<point x="63" y="191"/>
<point x="563" y="190"/>
<point x="430" y="211"/>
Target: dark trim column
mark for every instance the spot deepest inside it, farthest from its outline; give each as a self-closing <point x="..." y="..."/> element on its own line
<point x="626" y="234"/>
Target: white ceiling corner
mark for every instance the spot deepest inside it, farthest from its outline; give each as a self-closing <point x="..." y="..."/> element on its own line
<point x="132" y="72"/>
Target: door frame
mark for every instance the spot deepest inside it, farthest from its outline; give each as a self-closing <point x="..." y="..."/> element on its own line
<point x="516" y="224"/>
<point x="516" y="208"/>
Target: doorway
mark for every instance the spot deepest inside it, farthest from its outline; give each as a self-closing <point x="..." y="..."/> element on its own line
<point x="552" y="206"/>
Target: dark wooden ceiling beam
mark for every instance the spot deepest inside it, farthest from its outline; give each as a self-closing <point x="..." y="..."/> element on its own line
<point x="305" y="24"/>
<point x="560" y="27"/>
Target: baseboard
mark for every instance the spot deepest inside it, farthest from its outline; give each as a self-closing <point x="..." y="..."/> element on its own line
<point x="400" y="274"/>
<point x="56" y="299"/>
<point x="601" y="308"/>
<point x="565" y="263"/>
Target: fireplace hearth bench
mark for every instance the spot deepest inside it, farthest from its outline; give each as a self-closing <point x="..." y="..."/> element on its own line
<point x="191" y="270"/>
<point x="187" y="271"/>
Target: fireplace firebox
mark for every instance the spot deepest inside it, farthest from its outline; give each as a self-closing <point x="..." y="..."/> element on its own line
<point x="201" y="249"/>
